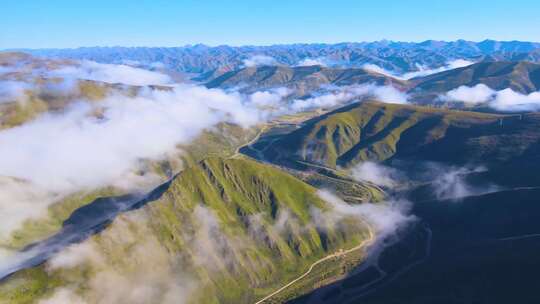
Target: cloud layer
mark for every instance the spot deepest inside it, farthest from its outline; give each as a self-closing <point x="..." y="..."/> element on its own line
<point x="342" y="95"/>
<point x="111" y="73"/>
<point x="12" y="90"/>
<point x="259" y="60"/>
<point x="89" y="145"/>
<point x="93" y="145"/>
<point x="503" y="100"/>
<point x="375" y="173"/>
<point x="422" y="70"/>
<point x="385" y="218"/>
<point x="313" y="61"/>
<point x="145" y="274"/>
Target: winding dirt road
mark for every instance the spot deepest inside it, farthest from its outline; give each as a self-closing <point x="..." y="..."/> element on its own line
<point x="338" y="254"/>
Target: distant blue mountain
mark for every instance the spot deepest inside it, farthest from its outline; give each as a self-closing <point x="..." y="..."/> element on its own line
<point x="395" y="56"/>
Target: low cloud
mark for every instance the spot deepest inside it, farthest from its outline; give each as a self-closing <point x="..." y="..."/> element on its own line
<point x="11" y="90"/>
<point x="92" y="145"/>
<point x="424" y="71"/>
<point x="345" y="94"/>
<point x="451" y="183"/>
<point x="154" y="279"/>
<point x="271" y="98"/>
<point x="377" y="69"/>
<point x="20" y="200"/>
<point x="60" y="153"/>
<point x="386" y="218"/>
<point x="503" y="100"/>
<point x="259" y="60"/>
<point x="473" y="95"/>
<point x="313" y="61"/>
<point x="421" y="70"/>
<point x="75" y="255"/>
<point x="509" y="100"/>
<point x="375" y="173"/>
<point x="215" y="250"/>
<point x="6" y="69"/>
<point x="111" y="73"/>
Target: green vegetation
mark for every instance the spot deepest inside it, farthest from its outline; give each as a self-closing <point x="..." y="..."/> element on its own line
<point x="27" y="286"/>
<point x="247" y="198"/>
<point x="242" y="228"/>
<point x="37" y="229"/>
<point x="520" y="76"/>
<point x="221" y="141"/>
<point x="36" y="102"/>
<point x="377" y="131"/>
<point x="302" y="78"/>
<point x="17" y="113"/>
<point x="323" y="274"/>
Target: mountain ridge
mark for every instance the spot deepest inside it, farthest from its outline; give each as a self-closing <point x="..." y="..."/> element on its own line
<point x="374" y="131"/>
<point x="396" y="56"/>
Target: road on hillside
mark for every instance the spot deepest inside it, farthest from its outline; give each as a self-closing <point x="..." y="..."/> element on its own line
<point x="338" y="254"/>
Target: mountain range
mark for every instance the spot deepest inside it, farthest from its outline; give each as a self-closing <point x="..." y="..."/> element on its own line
<point x="356" y="198"/>
<point x="394" y="56"/>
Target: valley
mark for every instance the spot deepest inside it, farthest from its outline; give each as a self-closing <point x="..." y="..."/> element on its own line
<point x="400" y="173"/>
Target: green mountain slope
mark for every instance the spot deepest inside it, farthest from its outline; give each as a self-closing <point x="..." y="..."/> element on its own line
<point x="377" y="131"/>
<point x="520" y="76"/>
<point x="239" y="228"/>
<point x="303" y="78"/>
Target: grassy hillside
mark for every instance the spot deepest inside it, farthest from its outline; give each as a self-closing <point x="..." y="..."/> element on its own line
<point x="303" y="78"/>
<point x="485" y="247"/>
<point x="377" y="131"/>
<point x="240" y="228"/>
<point x="520" y="76"/>
<point x="219" y="142"/>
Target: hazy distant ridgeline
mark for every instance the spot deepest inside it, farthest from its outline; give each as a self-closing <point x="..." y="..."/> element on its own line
<point x="395" y="56"/>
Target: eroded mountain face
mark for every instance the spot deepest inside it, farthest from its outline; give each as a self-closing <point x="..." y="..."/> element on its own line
<point x="266" y="184"/>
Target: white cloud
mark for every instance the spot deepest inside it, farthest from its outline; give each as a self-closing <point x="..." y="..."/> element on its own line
<point x="75" y="150"/>
<point x="11" y="90"/>
<point x="385" y="217"/>
<point x="271" y="98"/>
<point x="157" y="65"/>
<point x="503" y="100"/>
<point x="6" y="69"/>
<point x="20" y="200"/>
<point x="422" y="70"/>
<point x="377" y="69"/>
<point x="345" y="94"/>
<point x="259" y="60"/>
<point x="93" y="145"/>
<point x="84" y="150"/>
<point x="216" y="250"/>
<point x="450" y="183"/>
<point x="374" y="173"/>
<point x="477" y="94"/>
<point x="313" y="61"/>
<point x="509" y="100"/>
<point x="155" y="279"/>
<point x="387" y="94"/>
<point x="74" y="256"/>
<point x="111" y="73"/>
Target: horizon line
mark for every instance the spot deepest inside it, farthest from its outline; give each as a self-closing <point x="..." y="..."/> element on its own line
<point x="201" y="44"/>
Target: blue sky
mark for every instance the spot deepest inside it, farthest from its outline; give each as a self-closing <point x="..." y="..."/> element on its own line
<point x="73" y="23"/>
